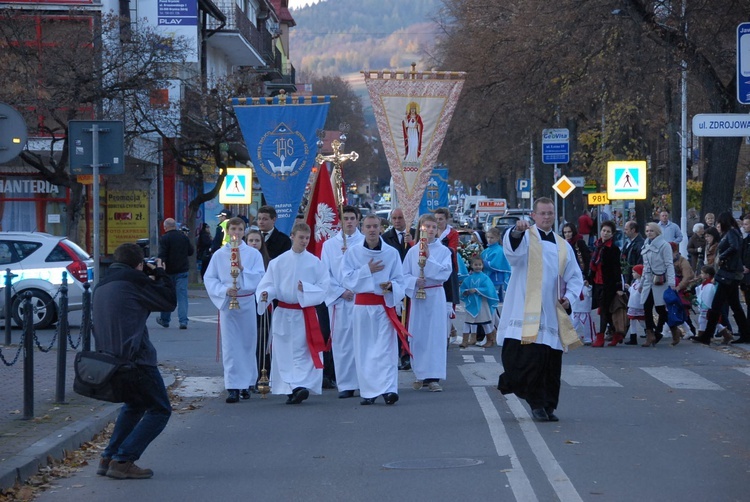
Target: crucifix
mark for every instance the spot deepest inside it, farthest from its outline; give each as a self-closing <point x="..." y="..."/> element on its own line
<point x="337" y="158"/>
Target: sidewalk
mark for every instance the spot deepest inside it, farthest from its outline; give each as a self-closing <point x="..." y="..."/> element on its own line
<point x="25" y="445"/>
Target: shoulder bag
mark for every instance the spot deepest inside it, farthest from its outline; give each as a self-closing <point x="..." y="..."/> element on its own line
<point x="102" y="376"/>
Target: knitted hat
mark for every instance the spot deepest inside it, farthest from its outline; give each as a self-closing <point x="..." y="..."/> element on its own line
<point x="638" y="269"/>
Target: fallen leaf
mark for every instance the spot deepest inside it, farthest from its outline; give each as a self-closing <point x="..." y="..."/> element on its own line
<point x="570" y="441"/>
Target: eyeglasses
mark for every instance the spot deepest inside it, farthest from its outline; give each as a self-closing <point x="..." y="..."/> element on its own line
<point x="545" y="214"/>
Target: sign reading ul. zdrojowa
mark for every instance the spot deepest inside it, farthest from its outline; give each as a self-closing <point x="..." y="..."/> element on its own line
<point x="280" y="137"/>
<point x="413" y="110"/>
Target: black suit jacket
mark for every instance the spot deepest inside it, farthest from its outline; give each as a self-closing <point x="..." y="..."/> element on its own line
<point x="391" y="238"/>
<point x="277" y="243"/>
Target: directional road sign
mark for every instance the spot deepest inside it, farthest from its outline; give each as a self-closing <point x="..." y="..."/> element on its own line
<point x="555" y="146"/>
<point x="743" y="63"/>
<point x="237" y="187"/>
<point x="523" y="185"/>
<point x="564" y="186"/>
<point x="626" y="179"/>
<point x="722" y="125"/>
<point x="111" y="140"/>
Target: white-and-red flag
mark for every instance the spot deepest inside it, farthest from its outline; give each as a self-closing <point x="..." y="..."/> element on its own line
<point x="413" y="110"/>
<point x="322" y="214"/>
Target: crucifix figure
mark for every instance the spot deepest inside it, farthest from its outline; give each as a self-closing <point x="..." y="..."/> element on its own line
<point x="337" y="158"/>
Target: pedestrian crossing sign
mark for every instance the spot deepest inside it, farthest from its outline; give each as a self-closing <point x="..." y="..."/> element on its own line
<point x="237" y="187"/>
<point x="626" y="180"/>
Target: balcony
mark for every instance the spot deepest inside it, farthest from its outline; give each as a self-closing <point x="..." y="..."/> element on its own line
<point x="282" y="76"/>
<point x="242" y="43"/>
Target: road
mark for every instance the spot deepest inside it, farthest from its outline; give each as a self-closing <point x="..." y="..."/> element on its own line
<point x="635" y="424"/>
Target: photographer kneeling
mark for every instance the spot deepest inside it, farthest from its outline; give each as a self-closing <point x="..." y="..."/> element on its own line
<point x="122" y="303"/>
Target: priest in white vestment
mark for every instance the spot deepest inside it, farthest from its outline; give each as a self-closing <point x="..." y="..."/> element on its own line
<point x="237" y="326"/>
<point x="340" y="302"/>
<point x="372" y="269"/>
<point x="298" y="280"/>
<point x="428" y="318"/>
<point x="535" y="322"/>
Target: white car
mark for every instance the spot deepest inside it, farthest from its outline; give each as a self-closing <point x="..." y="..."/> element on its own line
<point x="38" y="260"/>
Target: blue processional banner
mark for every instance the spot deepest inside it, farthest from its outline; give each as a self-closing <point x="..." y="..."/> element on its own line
<point x="280" y="137"/>
<point x="436" y="193"/>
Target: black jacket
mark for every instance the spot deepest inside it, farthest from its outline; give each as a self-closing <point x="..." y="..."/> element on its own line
<point x="174" y="249"/>
<point x="277" y="243"/>
<point x="391" y="238"/>
<point x="122" y="302"/>
<point x="729" y="252"/>
<point x="631" y="254"/>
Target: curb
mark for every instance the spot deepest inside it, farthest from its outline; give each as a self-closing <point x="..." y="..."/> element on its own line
<point x="20" y="467"/>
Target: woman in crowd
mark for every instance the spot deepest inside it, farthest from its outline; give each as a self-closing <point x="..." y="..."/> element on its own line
<point x="203" y="246"/>
<point x="696" y="245"/>
<point x="684" y="276"/>
<point x="712" y="243"/>
<point x="583" y="254"/>
<point x="581" y="308"/>
<point x="255" y="239"/>
<point x="605" y="275"/>
<point x="727" y="279"/>
<point x="658" y="275"/>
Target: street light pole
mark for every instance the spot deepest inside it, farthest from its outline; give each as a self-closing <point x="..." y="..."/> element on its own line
<point x="683" y="146"/>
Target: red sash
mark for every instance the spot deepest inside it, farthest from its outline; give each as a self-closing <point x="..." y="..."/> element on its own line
<point x="312" y="331"/>
<point x="373" y="299"/>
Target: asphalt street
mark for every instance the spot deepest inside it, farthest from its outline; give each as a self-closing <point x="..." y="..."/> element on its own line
<point x="664" y="423"/>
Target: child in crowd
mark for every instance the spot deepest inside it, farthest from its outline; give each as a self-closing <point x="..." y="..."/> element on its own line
<point x="497" y="266"/>
<point x="581" y="316"/>
<point x="636" y="313"/>
<point x="704" y="292"/>
<point x="480" y="297"/>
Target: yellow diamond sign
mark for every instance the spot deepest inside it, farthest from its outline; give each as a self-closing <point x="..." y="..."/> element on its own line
<point x="564" y="186"/>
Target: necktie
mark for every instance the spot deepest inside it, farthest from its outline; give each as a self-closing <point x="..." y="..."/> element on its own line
<point x="403" y="239"/>
<point x="265" y="236"/>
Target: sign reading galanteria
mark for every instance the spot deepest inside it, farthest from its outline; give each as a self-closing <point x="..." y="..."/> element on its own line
<point x="626" y="179"/>
<point x="563" y="186"/>
<point x="237" y="187"/>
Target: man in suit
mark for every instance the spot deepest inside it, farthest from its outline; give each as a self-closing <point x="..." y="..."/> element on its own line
<point x="631" y="249"/>
<point x="399" y="235"/>
<point x="277" y="242"/>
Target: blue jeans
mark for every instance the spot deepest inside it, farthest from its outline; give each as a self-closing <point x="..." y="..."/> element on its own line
<point x="180" y="283"/>
<point x="142" y="418"/>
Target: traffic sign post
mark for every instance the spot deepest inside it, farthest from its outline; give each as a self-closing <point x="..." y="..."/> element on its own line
<point x="743" y="63"/>
<point x="110" y="136"/>
<point x="13" y="133"/>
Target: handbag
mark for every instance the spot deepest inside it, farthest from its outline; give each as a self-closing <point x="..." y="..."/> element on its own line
<point x="659" y="279"/>
<point x="102" y="376"/>
<point x="724" y="277"/>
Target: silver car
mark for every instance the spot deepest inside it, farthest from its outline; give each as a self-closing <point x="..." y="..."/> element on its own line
<point x="38" y="261"/>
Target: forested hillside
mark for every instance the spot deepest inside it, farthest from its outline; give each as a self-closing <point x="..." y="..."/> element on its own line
<point x="337" y="37"/>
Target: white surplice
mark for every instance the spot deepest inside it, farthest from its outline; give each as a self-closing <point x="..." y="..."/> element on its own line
<point x="552" y="288"/>
<point x="340" y="311"/>
<point x="375" y="338"/>
<point x="291" y="362"/>
<point x="428" y="318"/>
<point x="238" y="326"/>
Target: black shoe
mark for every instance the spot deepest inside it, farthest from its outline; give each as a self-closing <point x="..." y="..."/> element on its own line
<point x="328" y="383"/>
<point x="162" y="323"/>
<point x="633" y="340"/>
<point x="298" y="395"/>
<point x="344" y="394"/>
<point x="183" y="326"/>
<point x="405" y="364"/>
<point x="539" y="415"/>
<point x="233" y="395"/>
<point x="551" y="417"/>
<point x="705" y="340"/>
<point x="390" y="397"/>
<point x="367" y="401"/>
<point x="741" y="339"/>
<point x="245" y="394"/>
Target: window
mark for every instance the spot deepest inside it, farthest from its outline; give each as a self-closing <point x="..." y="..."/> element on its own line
<point x="25" y="249"/>
<point x="58" y="254"/>
<point x="6" y="256"/>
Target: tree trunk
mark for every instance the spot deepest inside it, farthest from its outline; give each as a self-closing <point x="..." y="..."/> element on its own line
<point x="721" y="170"/>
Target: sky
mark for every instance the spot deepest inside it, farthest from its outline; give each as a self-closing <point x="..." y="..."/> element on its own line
<point x="296" y="4"/>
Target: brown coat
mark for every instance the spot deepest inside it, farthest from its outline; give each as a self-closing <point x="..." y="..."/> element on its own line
<point x="683" y="273"/>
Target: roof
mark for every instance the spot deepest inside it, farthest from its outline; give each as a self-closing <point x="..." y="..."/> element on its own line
<point x="282" y="10"/>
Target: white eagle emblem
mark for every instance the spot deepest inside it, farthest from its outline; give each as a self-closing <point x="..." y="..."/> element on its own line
<point x="324" y="222"/>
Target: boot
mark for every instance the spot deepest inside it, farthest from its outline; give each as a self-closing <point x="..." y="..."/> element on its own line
<point x="473" y="339"/>
<point x="676" y="335"/>
<point x="465" y="340"/>
<point x="726" y="336"/>
<point x="491" y="339"/>
<point x="599" y="340"/>
<point x="633" y="339"/>
<point x="650" y="339"/>
<point x="702" y="338"/>
<point x="616" y="338"/>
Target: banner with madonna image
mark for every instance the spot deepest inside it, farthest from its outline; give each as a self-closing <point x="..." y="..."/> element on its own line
<point x="280" y="136"/>
<point x="413" y="110"/>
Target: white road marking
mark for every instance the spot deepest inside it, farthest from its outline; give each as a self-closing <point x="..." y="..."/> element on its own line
<point x="210" y="319"/>
<point x="555" y="474"/>
<point x="517" y="478"/>
<point x="680" y="378"/>
<point x="744" y="369"/>
<point x="468" y="358"/>
<point x="201" y="387"/>
<point x="586" y="376"/>
<point x="489" y="359"/>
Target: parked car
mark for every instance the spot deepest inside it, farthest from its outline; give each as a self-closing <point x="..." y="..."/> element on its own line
<point x="506" y="221"/>
<point x="38" y="260"/>
<point x="467" y="219"/>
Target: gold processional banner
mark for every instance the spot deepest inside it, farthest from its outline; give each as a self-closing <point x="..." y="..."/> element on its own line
<point x="413" y="110"/>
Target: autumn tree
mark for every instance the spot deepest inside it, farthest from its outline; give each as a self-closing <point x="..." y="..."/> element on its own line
<point x="74" y="66"/>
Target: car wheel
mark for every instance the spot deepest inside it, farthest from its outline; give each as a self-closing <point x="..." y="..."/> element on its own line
<point x="43" y="308"/>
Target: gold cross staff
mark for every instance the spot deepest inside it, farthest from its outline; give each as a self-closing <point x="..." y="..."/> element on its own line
<point x="338" y="158"/>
